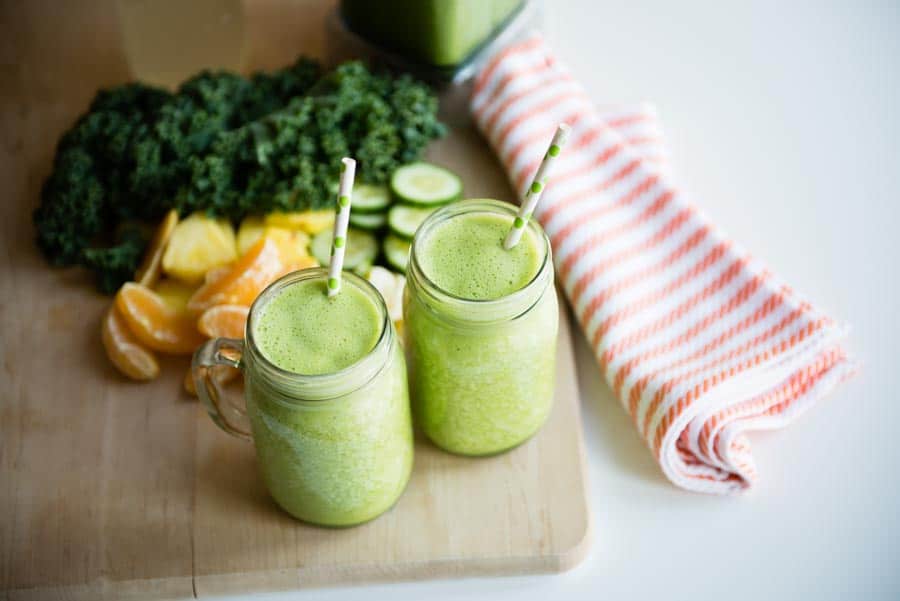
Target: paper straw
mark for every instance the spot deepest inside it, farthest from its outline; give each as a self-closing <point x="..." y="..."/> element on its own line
<point x="533" y="195"/>
<point x="339" y="239"/>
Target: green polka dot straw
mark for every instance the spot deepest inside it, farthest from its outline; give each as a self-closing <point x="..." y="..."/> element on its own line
<point x="339" y="238"/>
<point x="533" y="195"/>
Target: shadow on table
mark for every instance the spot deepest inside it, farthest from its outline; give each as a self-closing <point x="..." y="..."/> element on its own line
<point x="602" y="414"/>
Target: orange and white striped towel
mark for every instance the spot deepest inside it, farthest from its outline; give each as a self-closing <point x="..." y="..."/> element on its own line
<point x="699" y="341"/>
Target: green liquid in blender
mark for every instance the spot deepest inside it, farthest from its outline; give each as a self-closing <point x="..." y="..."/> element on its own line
<point x="442" y="33"/>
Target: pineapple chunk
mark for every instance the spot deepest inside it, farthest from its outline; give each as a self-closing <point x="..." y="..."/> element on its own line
<point x="175" y="293"/>
<point x="198" y="244"/>
<point x="311" y="222"/>
<point x="293" y="244"/>
<point x="249" y="231"/>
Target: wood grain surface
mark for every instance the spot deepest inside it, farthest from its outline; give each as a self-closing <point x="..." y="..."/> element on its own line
<point x="111" y="489"/>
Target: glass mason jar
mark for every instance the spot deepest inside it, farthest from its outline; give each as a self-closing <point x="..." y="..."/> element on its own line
<point x="334" y="449"/>
<point x="482" y="371"/>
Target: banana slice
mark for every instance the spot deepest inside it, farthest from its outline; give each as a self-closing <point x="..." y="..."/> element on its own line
<point x="391" y="286"/>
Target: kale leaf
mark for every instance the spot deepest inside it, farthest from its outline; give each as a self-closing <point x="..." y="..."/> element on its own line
<point x="290" y="159"/>
<point x="116" y="264"/>
<point x="224" y="144"/>
<point x="91" y="170"/>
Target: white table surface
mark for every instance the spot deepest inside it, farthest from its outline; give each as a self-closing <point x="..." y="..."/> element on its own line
<point x="784" y="124"/>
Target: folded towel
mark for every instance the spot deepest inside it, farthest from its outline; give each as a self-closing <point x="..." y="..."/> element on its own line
<point x="699" y="341"/>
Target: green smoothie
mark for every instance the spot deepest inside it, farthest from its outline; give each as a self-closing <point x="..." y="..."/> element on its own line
<point x="482" y="324"/>
<point x="465" y="257"/>
<point x="442" y="33"/>
<point x="333" y="435"/>
<point x="303" y="330"/>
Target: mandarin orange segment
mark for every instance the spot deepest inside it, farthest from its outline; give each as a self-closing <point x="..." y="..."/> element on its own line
<point x="259" y="267"/>
<point x="189" y="382"/>
<point x="222" y="374"/>
<point x="217" y="273"/>
<point x="124" y="350"/>
<point x="154" y="323"/>
<point x="151" y="267"/>
<point x="224" y="321"/>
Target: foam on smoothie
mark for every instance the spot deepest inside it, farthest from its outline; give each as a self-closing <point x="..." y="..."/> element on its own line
<point x="464" y="256"/>
<point x="304" y="331"/>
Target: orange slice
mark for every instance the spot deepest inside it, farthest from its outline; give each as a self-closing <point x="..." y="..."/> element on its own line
<point x="224" y="321"/>
<point x="123" y="349"/>
<point x="259" y="267"/>
<point x="154" y="323"/>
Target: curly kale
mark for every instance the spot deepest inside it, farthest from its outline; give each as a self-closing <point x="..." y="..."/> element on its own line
<point x="90" y="171"/>
<point x="188" y="125"/>
<point x="225" y="144"/>
<point x="116" y="264"/>
<point x="290" y="159"/>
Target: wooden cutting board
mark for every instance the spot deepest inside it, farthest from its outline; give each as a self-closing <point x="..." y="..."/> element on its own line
<point x="111" y="489"/>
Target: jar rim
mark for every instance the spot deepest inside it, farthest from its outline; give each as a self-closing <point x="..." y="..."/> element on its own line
<point x="293" y="382"/>
<point x="490" y="206"/>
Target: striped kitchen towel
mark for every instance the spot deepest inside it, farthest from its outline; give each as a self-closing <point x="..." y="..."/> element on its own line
<point x="699" y="341"/>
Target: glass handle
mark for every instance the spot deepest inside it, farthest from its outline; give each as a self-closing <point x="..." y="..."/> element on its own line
<point x="228" y="415"/>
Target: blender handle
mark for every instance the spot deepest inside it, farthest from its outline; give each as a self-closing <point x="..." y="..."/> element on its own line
<point x="230" y="416"/>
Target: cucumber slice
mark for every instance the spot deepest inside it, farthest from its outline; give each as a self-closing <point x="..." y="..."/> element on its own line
<point x="425" y="184"/>
<point x="370" y="199"/>
<point x="362" y="247"/>
<point x="320" y="247"/>
<point x="396" y="251"/>
<point x="368" y="221"/>
<point x="404" y="220"/>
